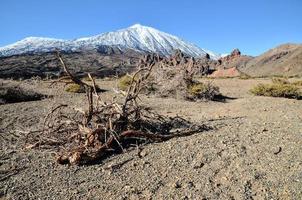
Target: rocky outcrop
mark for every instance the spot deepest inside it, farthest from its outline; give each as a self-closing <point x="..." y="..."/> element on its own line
<point x="235" y="54"/>
<point x="235" y="59"/>
<point x="201" y="66"/>
<point x="230" y="72"/>
<point x="228" y="66"/>
<point x="109" y="50"/>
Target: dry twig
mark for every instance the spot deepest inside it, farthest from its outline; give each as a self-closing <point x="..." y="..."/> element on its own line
<point x="90" y="136"/>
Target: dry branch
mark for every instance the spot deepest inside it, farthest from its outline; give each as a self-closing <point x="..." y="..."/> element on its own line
<point x="109" y="126"/>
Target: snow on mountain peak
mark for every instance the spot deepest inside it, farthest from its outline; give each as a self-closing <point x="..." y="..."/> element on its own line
<point x="137" y="26"/>
<point x="137" y="37"/>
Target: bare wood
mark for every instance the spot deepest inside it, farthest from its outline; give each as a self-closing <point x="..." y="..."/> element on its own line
<point x="88" y="89"/>
<point x="90" y="135"/>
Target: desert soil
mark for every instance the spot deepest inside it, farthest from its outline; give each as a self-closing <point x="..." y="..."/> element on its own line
<point x="254" y="151"/>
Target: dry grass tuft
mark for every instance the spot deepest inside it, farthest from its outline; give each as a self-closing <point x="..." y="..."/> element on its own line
<point x="124" y="82"/>
<point x="245" y="77"/>
<point x="277" y="80"/>
<point x="297" y="83"/>
<point x="87" y="79"/>
<point x="74" y="88"/>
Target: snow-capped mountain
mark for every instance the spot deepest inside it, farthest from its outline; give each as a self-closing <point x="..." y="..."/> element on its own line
<point x="137" y="37"/>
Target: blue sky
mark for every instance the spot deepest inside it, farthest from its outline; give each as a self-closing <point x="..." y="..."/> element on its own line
<point x="219" y="25"/>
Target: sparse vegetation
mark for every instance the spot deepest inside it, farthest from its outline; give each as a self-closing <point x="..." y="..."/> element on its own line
<point x="172" y="77"/>
<point x="245" y="76"/>
<point x="206" y="91"/>
<point x="277" y="89"/>
<point x="74" y="88"/>
<point x="87" y="79"/>
<point x="277" y="80"/>
<point x="89" y="136"/>
<point x="298" y="83"/>
<point x="13" y="94"/>
<point x="277" y="76"/>
<point x="124" y="82"/>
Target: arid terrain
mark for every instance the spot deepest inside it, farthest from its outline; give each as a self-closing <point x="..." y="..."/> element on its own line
<point x="284" y="59"/>
<point x="253" y="150"/>
<point x="151" y="100"/>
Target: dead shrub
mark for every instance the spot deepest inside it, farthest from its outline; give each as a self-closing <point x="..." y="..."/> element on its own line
<point x="86" y="137"/>
<point x="14" y="94"/>
<point x="174" y="77"/>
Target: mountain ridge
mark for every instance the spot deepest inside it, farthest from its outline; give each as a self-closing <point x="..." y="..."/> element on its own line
<point x="137" y="37"/>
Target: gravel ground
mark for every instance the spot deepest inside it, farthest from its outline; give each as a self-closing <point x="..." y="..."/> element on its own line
<point x="254" y="151"/>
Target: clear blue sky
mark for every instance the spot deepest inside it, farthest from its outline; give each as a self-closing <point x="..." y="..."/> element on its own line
<point x="219" y="25"/>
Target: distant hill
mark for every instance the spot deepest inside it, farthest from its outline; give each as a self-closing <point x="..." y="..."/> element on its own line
<point x="285" y="59"/>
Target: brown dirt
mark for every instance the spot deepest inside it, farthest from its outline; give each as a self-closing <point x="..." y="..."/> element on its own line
<point x="253" y="152"/>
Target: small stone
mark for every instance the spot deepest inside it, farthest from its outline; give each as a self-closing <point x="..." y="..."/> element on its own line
<point x="185" y="198"/>
<point x="198" y="186"/>
<point x="75" y="192"/>
<point x="198" y="165"/>
<point x="176" y="185"/>
<point x="146" y="163"/>
<point x="127" y="188"/>
<point x="190" y="185"/>
<point x="143" y="154"/>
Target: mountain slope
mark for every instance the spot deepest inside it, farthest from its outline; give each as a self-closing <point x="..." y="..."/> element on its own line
<point x="146" y="39"/>
<point x="104" y="62"/>
<point x="285" y="59"/>
<point x="136" y="37"/>
<point x="34" y="45"/>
